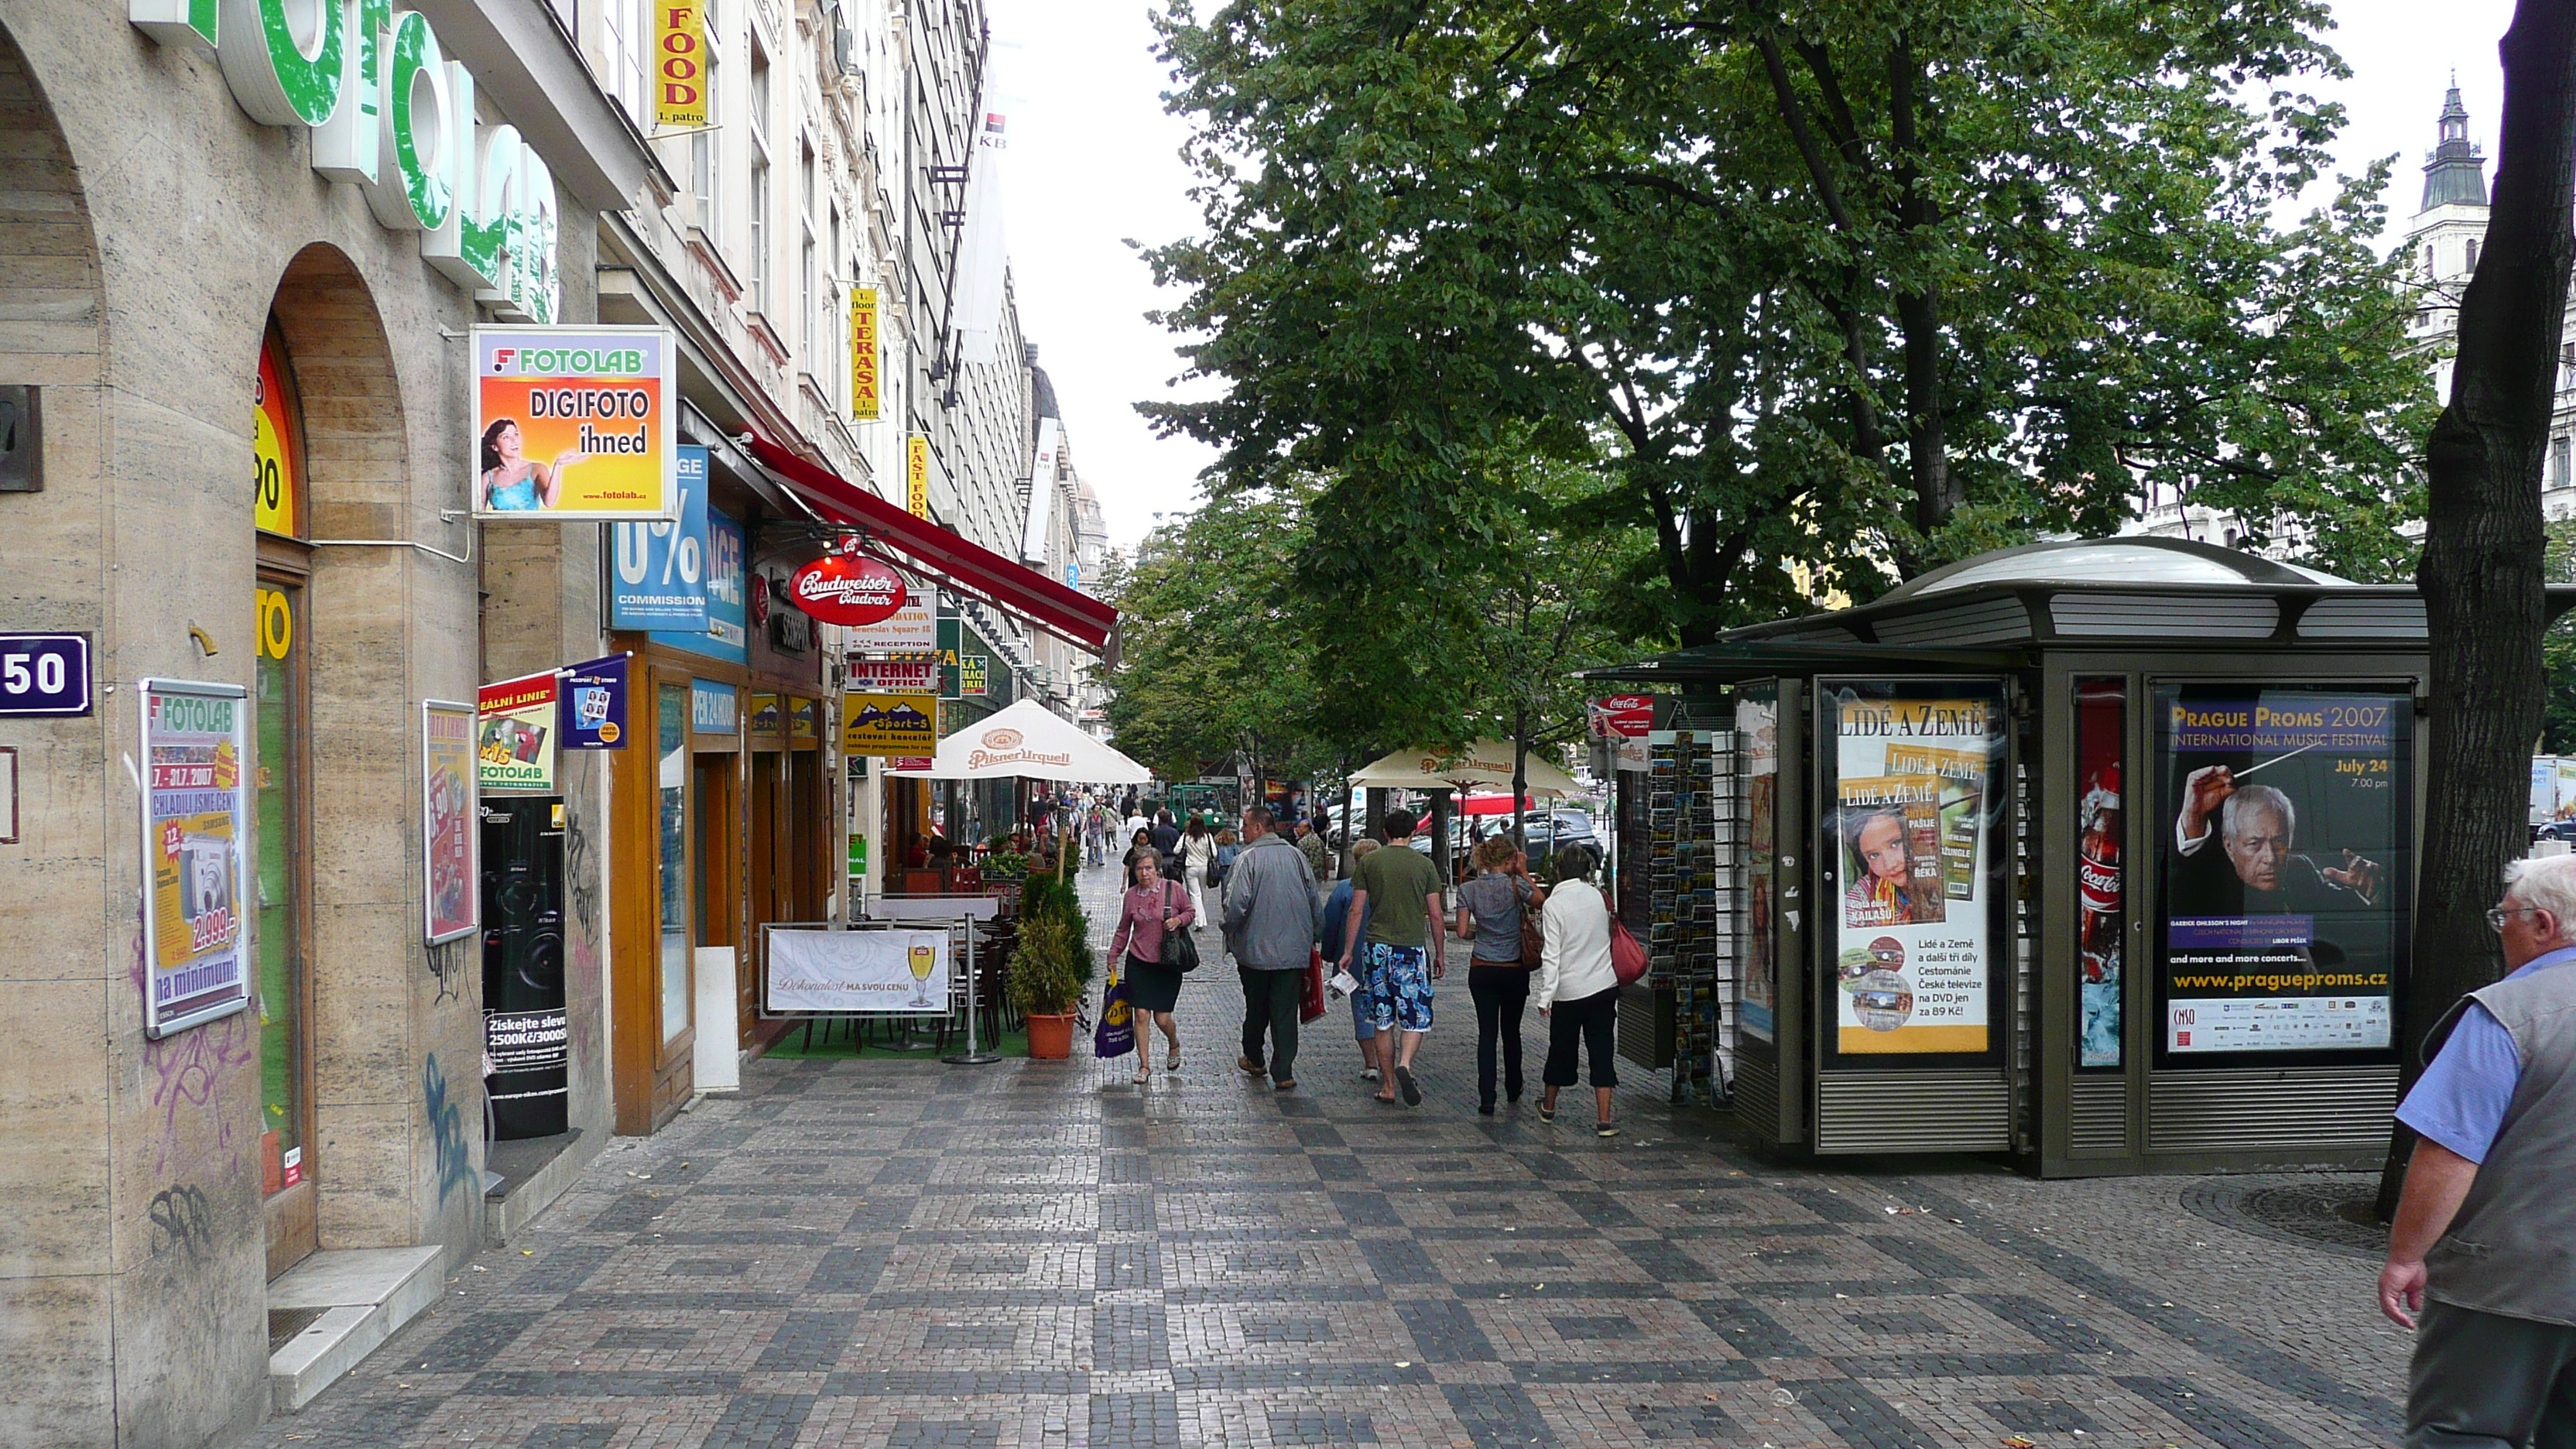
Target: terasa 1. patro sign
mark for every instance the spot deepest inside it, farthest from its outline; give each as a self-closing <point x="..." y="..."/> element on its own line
<point x="390" y="114"/>
<point x="848" y="590"/>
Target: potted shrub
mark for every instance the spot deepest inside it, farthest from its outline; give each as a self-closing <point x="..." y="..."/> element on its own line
<point x="1044" y="985"/>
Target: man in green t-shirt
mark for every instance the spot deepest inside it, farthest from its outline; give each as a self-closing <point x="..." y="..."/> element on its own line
<point x="1398" y="893"/>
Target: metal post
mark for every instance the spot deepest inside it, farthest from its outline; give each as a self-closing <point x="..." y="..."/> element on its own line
<point x="974" y="1055"/>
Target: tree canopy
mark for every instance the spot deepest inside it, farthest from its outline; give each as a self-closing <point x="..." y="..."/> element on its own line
<point x="1838" y="291"/>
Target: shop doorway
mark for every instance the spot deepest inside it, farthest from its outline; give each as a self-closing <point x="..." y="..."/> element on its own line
<point x="715" y="796"/>
<point x="772" y="856"/>
<point x="282" y="841"/>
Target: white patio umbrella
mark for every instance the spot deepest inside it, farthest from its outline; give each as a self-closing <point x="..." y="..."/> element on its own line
<point x="1486" y="764"/>
<point x="1027" y="742"/>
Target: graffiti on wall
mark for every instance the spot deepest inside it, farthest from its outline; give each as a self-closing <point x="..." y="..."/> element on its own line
<point x="183" y="1219"/>
<point x="446" y="1131"/>
<point x="188" y="1071"/>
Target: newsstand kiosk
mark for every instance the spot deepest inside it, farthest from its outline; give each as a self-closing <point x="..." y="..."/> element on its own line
<point x="2099" y="854"/>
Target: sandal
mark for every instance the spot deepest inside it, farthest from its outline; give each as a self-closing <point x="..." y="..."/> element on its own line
<point x="1172" y="1063"/>
<point x="1144" y="1073"/>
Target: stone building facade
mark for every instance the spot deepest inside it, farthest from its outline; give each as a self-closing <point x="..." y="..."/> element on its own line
<point x="172" y="238"/>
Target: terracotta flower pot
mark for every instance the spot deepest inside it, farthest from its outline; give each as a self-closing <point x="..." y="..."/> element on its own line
<point x="1050" y="1037"/>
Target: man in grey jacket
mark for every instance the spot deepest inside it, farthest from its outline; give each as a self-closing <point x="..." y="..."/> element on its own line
<point x="1271" y="916"/>
<point x="2481" y="1246"/>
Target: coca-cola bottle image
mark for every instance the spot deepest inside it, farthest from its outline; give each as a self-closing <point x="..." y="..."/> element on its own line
<point x="2097" y="877"/>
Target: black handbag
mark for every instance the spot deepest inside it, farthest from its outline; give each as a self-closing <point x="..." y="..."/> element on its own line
<point x="1180" y="949"/>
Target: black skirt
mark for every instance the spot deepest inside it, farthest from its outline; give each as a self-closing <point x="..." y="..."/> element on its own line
<point x="1151" y="986"/>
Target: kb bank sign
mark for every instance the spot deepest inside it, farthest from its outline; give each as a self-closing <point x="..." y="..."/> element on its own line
<point x="392" y="115"/>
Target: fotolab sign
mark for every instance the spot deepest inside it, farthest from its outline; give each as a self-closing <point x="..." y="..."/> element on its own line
<point x="392" y="115"/>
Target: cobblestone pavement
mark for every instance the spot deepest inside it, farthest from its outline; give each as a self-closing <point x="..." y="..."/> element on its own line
<point x="908" y="1254"/>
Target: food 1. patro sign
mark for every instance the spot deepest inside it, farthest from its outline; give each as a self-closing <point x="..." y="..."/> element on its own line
<point x="574" y="424"/>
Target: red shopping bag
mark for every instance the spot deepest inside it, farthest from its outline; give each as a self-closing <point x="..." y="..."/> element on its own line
<point x="1312" y="1006"/>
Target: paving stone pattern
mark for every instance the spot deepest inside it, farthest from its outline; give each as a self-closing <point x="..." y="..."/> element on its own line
<point x="901" y="1253"/>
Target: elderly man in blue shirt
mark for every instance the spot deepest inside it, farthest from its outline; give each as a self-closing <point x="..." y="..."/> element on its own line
<point x="2484" y="1247"/>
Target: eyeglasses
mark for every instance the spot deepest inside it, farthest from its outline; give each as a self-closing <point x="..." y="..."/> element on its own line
<point x="2496" y="915"/>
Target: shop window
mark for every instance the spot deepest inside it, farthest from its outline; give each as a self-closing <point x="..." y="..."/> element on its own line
<point x="2101" y="899"/>
<point x="1916" y="847"/>
<point x="281" y="725"/>
<point x="2284" y="845"/>
<point x="671" y="741"/>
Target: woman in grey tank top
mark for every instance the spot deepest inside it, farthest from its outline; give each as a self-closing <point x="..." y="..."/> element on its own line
<point x="1489" y="914"/>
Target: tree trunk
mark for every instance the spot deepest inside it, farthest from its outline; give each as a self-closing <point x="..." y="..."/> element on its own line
<point x="2481" y="573"/>
<point x="1520" y="779"/>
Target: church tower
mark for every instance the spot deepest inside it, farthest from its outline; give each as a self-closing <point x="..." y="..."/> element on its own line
<point x="2455" y="174"/>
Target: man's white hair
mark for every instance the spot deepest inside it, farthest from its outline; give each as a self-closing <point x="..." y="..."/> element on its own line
<point x="2548" y="884"/>
<point x="2257" y="797"/>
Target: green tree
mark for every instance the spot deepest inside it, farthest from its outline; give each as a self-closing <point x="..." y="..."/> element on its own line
<point x="1856" y="287"/>
<point x="1212" y="656"/>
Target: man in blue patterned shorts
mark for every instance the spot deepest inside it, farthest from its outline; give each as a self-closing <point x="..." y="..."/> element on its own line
<point x="1398" y="893"/>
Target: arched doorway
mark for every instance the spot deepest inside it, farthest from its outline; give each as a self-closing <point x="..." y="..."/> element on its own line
<point x="328" y="448"/>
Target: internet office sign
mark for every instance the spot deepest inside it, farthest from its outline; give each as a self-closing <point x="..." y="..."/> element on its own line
<point x="390" y="114"/>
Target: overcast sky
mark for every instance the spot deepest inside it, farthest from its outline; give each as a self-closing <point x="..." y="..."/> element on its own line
<point x="1093" y="164"/>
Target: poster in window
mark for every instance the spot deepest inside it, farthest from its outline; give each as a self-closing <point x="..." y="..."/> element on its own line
<point x="1915" y="772"/>
<point x="515" y="736"/>
<point x="2101" y="898"/>
<point x="194" y="828"/>
<point x="453" y="895"/>
<point x="2285" y="841"/>
<point x="1757" y="741"/>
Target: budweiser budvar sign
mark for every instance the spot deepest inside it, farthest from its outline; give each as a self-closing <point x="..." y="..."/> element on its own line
<point x="848" y="590"/>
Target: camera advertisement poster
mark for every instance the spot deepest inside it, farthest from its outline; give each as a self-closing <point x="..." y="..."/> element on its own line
<point x="2285" y="839"/>
<point x="575" y="424"/>
<point x="194" y="835"/>
<point x="1916" y="770"/>
<point x="848" y="971"/>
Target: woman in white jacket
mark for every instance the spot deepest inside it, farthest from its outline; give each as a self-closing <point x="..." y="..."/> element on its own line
<point x="1578" y="989"/>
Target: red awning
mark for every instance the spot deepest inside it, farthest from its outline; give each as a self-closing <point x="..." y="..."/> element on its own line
<point x="967" y="567"/>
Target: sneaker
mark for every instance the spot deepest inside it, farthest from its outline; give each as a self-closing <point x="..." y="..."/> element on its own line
<point x="1546" y="1113"/>
<point x="1368" y="1074"/>
<point x="1411" y="1089"/>
<point x="1249" y="1067"/>
<point x="1606" y="1129"/>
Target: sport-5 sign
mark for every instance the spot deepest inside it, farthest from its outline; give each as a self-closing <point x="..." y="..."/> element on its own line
<point x="44" y="674"/>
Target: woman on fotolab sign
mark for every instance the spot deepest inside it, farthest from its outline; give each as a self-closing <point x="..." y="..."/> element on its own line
<point x="574" y="423"/>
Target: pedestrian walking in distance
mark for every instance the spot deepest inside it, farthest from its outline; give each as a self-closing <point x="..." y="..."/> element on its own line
<point x="1396" y="893"/>
<point x="1271" y="917"/>
<point x="1198" y="855"/>
<point x="1319" y="855"/>
<point x="1337" y="917"/>
<point x="1490" y="908"/>
<point x="1140" y="847"/>
<point x="1578" y="988"/>
<point x="1152" y="906"/>
<point x="2484" y="1247"/>
<point x="1167" y="836"/>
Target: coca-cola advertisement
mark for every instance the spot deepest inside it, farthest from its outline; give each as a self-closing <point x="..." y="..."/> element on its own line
<point x="2101" y="713"/>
